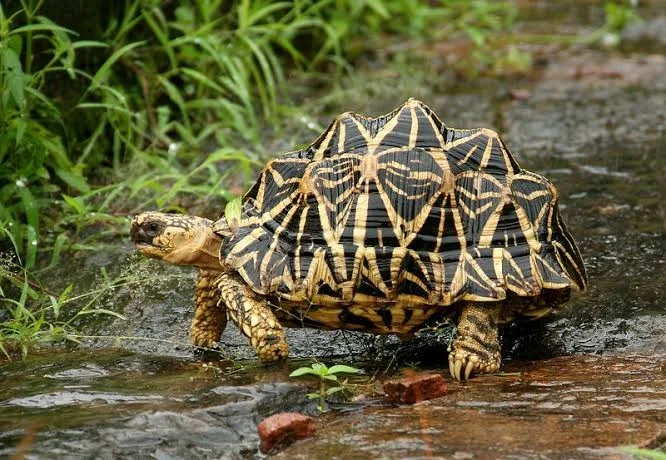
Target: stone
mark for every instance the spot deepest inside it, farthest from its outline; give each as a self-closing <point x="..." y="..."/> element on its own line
<point x="280" y="430"/>
<point x="416" y="388"/>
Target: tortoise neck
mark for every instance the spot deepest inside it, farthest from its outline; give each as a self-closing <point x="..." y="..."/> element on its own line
<point x="203" y="250"/>
<point x="208" y="257"/>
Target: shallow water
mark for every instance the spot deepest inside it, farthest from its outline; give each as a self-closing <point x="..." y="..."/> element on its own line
<point x="593" y="122"/>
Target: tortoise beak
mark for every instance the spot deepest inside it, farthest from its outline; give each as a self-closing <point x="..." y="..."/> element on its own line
<point x="143" y="232"/>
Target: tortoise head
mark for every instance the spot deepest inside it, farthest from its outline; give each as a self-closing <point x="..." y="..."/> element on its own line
<point x="177" y="239"/>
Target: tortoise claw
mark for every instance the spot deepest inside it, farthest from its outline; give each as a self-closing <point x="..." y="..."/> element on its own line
<point x="462" y="364"/>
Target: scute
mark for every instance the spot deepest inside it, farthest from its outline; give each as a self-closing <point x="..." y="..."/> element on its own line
<point x="402" y="208"/>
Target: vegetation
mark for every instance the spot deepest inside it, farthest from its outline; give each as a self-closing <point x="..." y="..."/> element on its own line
<point x="328" y="380"/>
<point x="150" y="104"/>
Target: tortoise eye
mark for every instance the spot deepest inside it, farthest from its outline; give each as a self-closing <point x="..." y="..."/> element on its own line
<point x="153" y="228"/>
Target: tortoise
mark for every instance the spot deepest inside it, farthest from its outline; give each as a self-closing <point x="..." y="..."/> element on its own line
<point x="386" y="225"/>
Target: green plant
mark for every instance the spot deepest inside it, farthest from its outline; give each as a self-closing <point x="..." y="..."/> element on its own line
<point x="35" y="318"/>
<point x="618" y="15"/>
<point x="328" y="380"/>
<point x="34" y="161"/>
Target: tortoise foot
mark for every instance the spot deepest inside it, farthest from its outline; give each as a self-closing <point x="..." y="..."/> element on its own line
<point x="271" y="349"/>
<point x="476" y="349"/>
<point x="204" y="337"/>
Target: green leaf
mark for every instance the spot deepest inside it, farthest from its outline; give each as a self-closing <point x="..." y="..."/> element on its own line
<point x="104" y="68"/>
<point x="89" y="44"/>
<point x="378" y="7"/>
<point x="41" y="28"/>
<point x="302" y="371"/>
<point x="338" y="368"/>
<point x="14" y="78"/>
<point x="55" y="306"/>
<point x="329" y="377"/>
<point x="15" y="43"/>
<point x="74" y="180"/>
<point x="233" y="211"/>
<point x="334" y="390"/>
<point x="320" y="368"/>
<point x="64" y="295"/>
<point x="75" y="203"/>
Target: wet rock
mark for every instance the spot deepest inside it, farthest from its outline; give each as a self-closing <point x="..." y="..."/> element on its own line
<point x="280" y="430"/>
<point x="416" y="388"/>
<point x="567" y="407"/>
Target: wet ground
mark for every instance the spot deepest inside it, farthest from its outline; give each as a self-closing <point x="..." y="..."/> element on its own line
<point x="578" y="384"/>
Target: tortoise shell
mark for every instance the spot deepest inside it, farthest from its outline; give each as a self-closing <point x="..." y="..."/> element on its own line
<point x="401" y="209"/>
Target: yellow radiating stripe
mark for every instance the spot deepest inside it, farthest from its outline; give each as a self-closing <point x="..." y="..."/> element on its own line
<point x="567" y="254"/>
<point x="319" y="154"/>
<point x="364" y="132"/>
<point x="469" y="154"/>
<point x="498" y="263"/>
<point x="488" y="230"/>
<point x="462" y="140"/>
<point x="245" y="242"/>
<point x="440" y="229"/>
<point x="375" y="275"/>
<point x="396" y="261"/>
<point x="342" y="136"/>
<point x="487" y="152"/>
<point x="394" y="217"/>
<point x="438" y="134"/>
<point x="276" y="239"/>
<point x="414" y="279"/>
<point x="527" y="228"/>
<point x="361" y="218"/>
<point x="460" y="230"/>
<point x="386" y="129"/>
<point x="414" y="129"/>
<point x="301" y="231"/>
<point x="395" y="165"/>
<point x="532" y="196"/>
<point x="339" y="265"/>
<point x="538" y="277"/>
<point x="507" y="157"/>
<point x="438" y="275"/>
<point x="420" y="219"/>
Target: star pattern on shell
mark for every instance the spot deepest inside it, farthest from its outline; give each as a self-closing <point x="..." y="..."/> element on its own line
<point x="402" y="209"/>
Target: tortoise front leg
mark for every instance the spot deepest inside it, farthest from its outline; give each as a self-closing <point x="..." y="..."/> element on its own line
<point x="476" y="348"/>
<point x="253" y="317"/>
<point x="210" y="317"/>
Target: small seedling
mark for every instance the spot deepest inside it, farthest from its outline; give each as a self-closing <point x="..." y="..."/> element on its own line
<point x="326" y="376"/>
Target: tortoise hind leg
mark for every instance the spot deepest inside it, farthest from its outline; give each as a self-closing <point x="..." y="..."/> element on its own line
<point x="476" y="348"/>
<point x="209" y="319"/>
<point x="253" y="317"/>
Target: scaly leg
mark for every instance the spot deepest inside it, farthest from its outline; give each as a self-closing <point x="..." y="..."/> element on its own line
<point x="210" y="318"/>
<point x="476" y="348"/>
<point x="253" y="317"/>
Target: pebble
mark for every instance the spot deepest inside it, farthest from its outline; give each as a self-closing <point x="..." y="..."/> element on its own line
<point x="416" y="388"/>
<point x="280" y="430"/>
